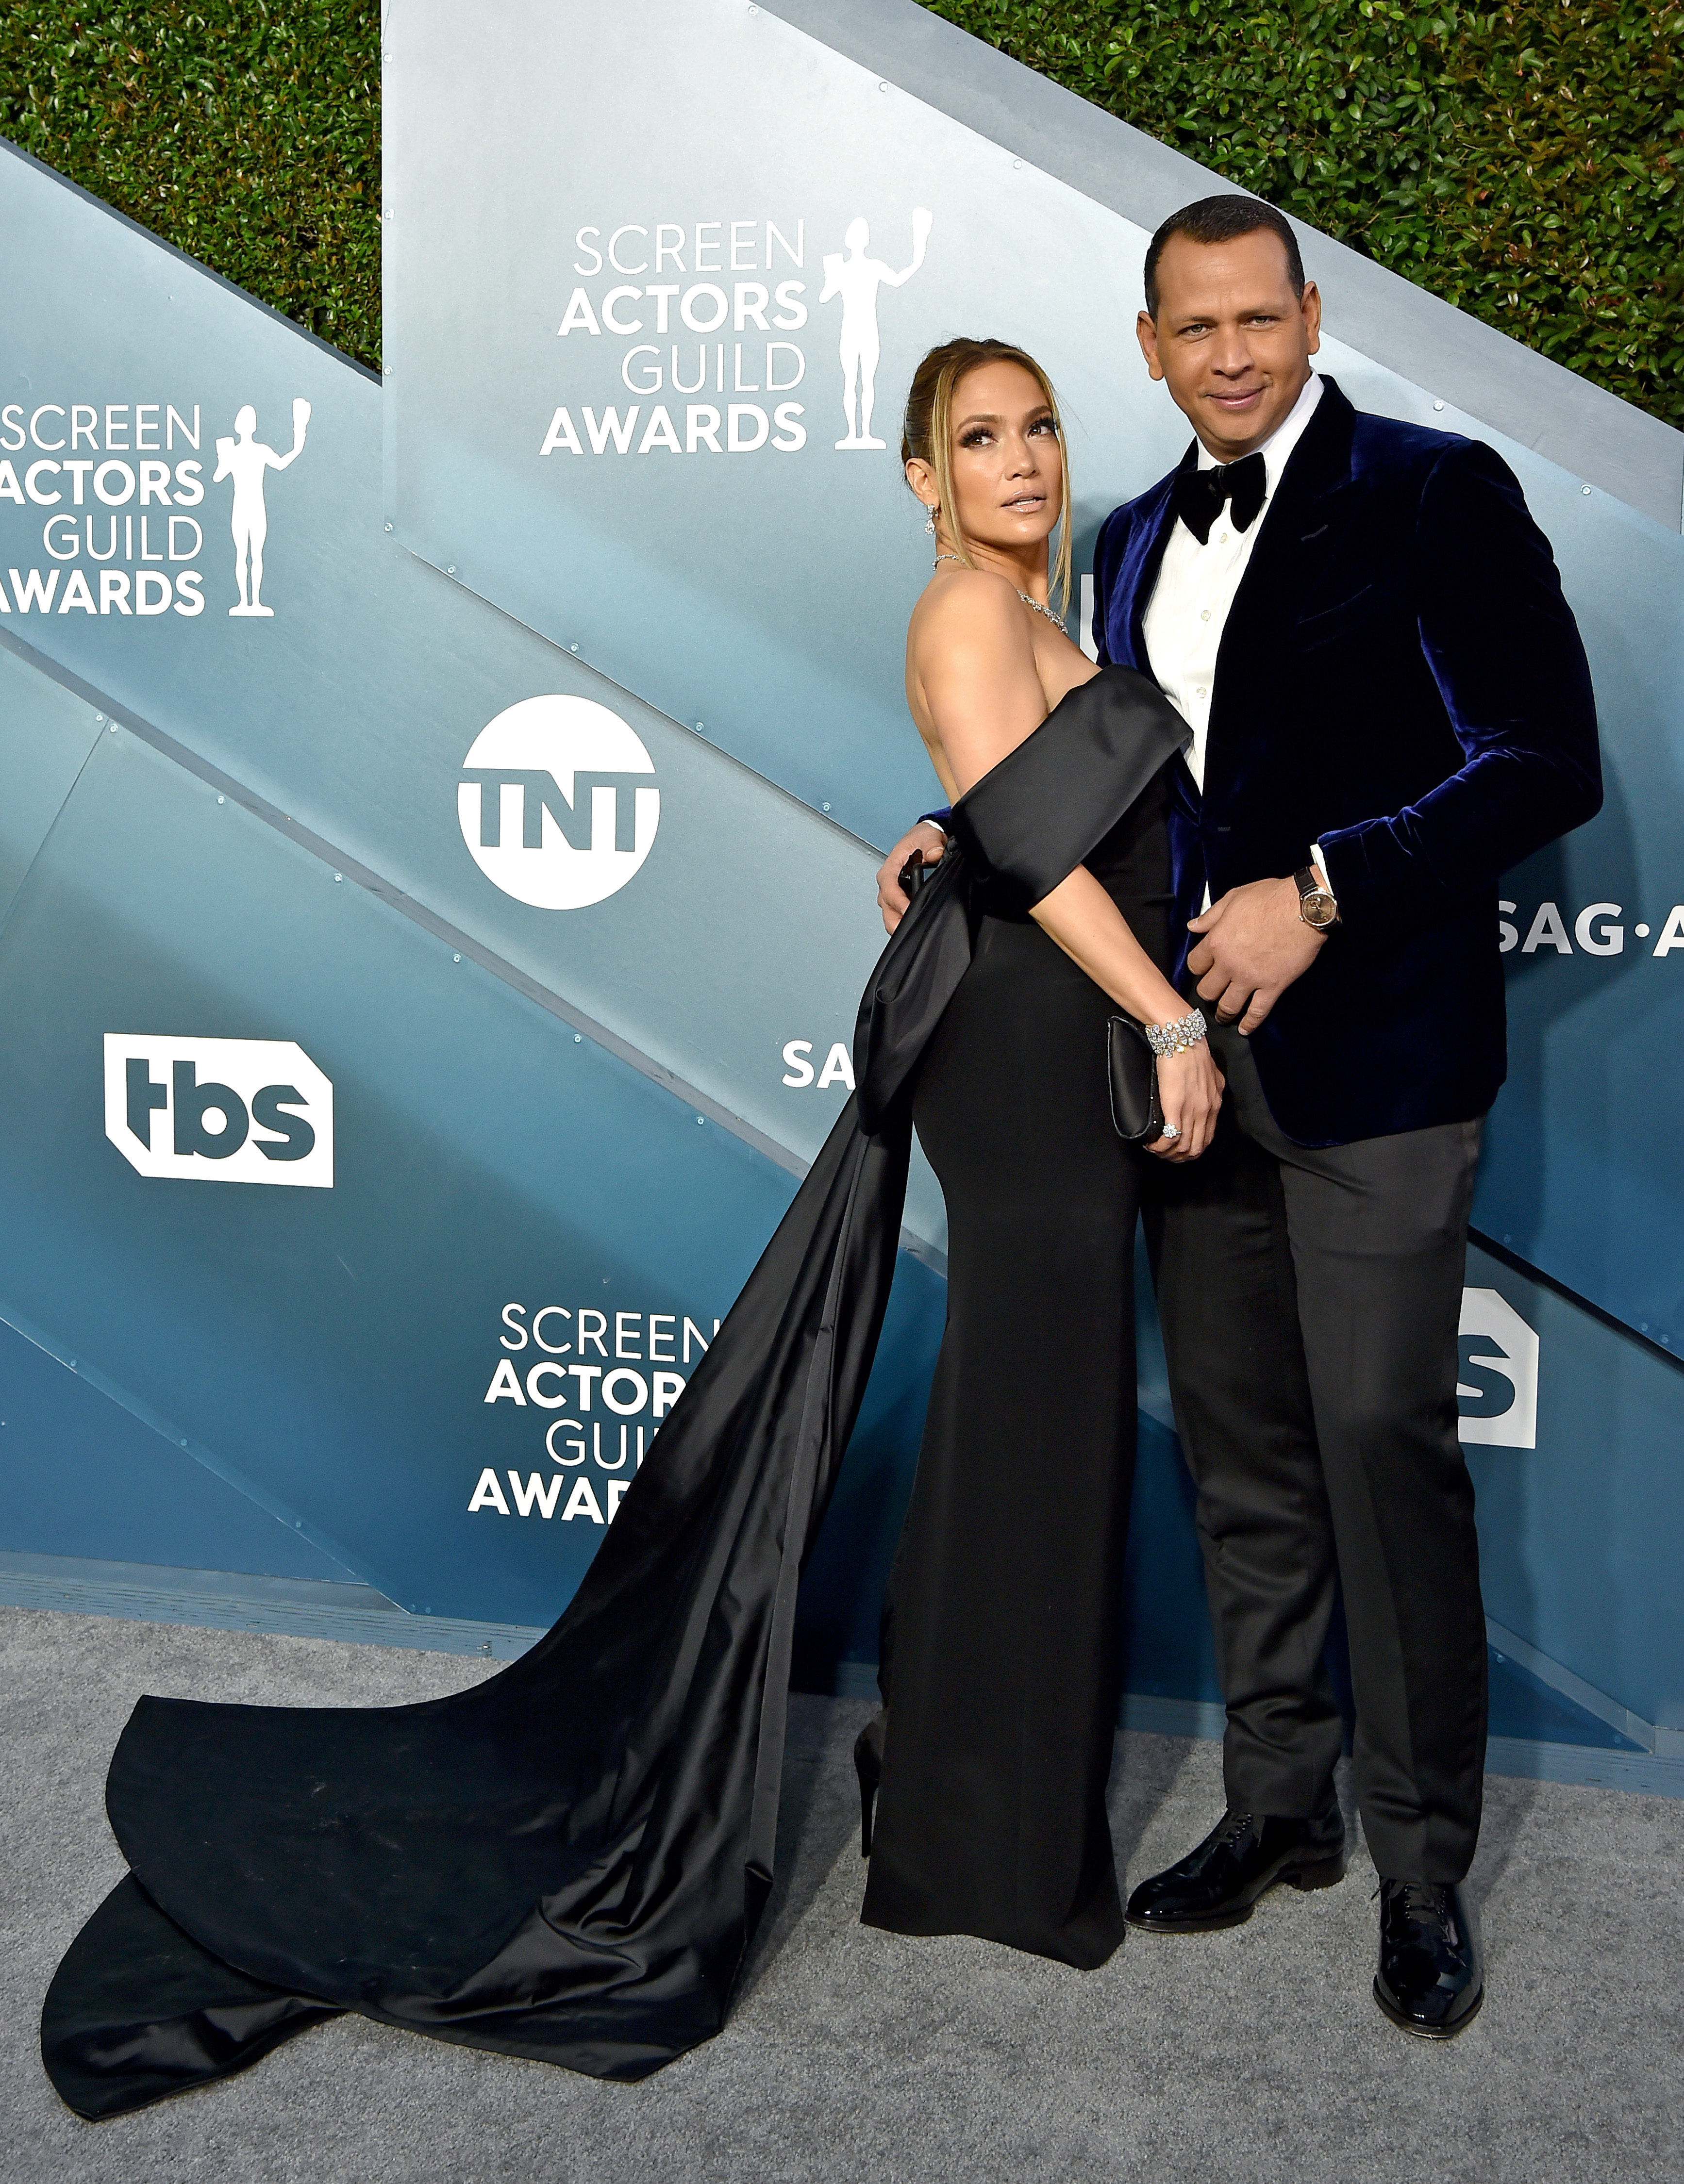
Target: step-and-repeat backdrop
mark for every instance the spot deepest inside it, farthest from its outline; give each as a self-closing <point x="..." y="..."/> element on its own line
<point x="436" y="847"/>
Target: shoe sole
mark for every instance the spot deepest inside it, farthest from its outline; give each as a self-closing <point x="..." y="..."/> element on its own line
<point x="1323" y="1873"/>
<point x="1404" y="2023"/>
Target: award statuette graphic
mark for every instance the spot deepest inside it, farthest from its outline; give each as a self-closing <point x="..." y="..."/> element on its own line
<point x="245" y="459"/>
<point x="857" y="279"/>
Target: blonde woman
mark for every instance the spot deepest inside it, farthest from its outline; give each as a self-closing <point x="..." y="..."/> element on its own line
<point x="1001" y="1661"/>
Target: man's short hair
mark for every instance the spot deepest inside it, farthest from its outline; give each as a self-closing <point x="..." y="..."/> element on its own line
<point x="1224" y="220"/>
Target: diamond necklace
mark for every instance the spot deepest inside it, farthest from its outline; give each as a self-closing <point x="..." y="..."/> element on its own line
<point x="1036" y="606"/>
<point x="1040" y="607"/>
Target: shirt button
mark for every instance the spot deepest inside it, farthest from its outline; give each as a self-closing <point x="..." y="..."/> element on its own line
<point x="1225" y="538"/>
<point x="1200" y="692"/>
<point x="1204" y="615"/>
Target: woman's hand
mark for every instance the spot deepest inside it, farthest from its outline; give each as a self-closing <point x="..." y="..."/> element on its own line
<point x="926" y="840"/>
<point x="1189" y="1092"/>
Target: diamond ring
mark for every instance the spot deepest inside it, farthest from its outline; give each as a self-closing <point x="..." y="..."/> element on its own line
<point x="1172" y="1129"/>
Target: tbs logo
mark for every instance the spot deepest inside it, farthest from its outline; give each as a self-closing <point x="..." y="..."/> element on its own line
<point x="219" y="1110"/>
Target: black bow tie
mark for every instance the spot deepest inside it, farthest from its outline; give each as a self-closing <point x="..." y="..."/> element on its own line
<point x="1199" y="495"/>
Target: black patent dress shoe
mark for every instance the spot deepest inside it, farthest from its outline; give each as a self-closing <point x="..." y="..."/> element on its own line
<point x="1218" y="1884"/>
<point x="1430" y="1980"/>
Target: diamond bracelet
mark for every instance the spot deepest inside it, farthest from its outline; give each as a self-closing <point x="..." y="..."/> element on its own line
<point x="1176" y="1038"/>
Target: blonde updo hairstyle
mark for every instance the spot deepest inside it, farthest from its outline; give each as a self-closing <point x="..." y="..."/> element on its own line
<point x="927" y="437"/>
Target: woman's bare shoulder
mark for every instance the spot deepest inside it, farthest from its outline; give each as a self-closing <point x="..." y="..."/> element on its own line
<point x="970" y="607"/>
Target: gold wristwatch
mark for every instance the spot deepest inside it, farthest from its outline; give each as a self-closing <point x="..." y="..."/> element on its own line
<point x="1316" y="905"/>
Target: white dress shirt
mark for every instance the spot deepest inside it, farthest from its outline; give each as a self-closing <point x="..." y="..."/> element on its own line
<point x="1188" y="610"/>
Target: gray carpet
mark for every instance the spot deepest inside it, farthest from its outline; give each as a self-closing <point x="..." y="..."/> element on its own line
<point x="1257" y="2053"/>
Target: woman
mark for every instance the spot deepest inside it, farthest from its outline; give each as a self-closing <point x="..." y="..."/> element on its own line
<point x="1002" y="1690"/>
<point x="569" y="1860"/>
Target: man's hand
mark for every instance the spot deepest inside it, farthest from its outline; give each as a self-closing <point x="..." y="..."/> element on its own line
<point x="925" y="841"/>
<point x="1254" y="945"/>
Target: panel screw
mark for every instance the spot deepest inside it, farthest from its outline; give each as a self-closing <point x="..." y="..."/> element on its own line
<point x="449" y="568"/>
<point x="222" y="799"/>
<point x="578" y="1038"/>
<point x="700" y="1120"/>
<point x="572" y="648"/>
<point x="455" y="959"/>
<point x="338" y="878"/>
<point x="388" y="526"/>
<point x="1017" y="163"/>
<point x="824" y="807"/>
<point x="1438" y="405"/>
<point x="1585" y="490"/>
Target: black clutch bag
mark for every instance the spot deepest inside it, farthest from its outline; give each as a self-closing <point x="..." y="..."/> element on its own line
<point x="915" y="871"/>
<point x="1132" y="1069"/>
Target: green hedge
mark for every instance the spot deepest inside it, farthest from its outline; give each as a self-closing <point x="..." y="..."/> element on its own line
<point x="1522" y="162"/>
<point x="248" y="135"/>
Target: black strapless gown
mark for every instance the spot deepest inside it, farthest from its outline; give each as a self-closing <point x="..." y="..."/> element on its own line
<point x="568" y="1862"/>
<point x="1002" y="1654"/>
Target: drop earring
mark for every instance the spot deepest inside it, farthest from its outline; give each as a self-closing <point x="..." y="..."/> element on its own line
<point x="929" y="523"/>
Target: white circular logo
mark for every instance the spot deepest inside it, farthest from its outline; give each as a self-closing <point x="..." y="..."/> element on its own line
<point x="558" y="803"/>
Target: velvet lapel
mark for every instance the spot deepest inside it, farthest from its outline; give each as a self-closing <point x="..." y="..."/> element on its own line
<point x="1270" y="597"/>
<point x="1149" y="536"/>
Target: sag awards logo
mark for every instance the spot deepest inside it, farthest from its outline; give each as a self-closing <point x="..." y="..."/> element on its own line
<point x="219" y="1110"/>
<point x="244" y="458"/>
<point x="606" y="1380"/>
<point x="1597" y="929"/>
<point x="726" y="337"/>
<point x="1497" y="1388"/>
<point x="558" y="802"/>
<point x="116" y="479"/>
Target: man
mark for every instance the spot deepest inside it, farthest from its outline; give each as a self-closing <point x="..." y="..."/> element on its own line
<point x="1390" y="707"/>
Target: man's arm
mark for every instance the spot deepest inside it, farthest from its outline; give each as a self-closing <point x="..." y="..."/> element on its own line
<point x="1505" y="652"/>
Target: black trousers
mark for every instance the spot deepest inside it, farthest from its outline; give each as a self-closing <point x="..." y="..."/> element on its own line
<point x="1310" y="1301"/>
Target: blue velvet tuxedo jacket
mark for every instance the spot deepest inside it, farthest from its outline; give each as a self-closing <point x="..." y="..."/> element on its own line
<point x="1400" y="680"/>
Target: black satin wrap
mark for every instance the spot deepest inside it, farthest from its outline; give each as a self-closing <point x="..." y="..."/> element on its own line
<point x="568" y="1862"/>
<point x="1025" y="826"/>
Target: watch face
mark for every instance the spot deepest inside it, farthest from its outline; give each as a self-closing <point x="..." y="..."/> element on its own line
<point x="1318" y="908"/>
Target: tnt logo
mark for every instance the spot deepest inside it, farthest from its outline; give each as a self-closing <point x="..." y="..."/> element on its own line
<point x="558" y="803"/>
<point x="1497" y="1378"/>
<point x="219" y="1110"/>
